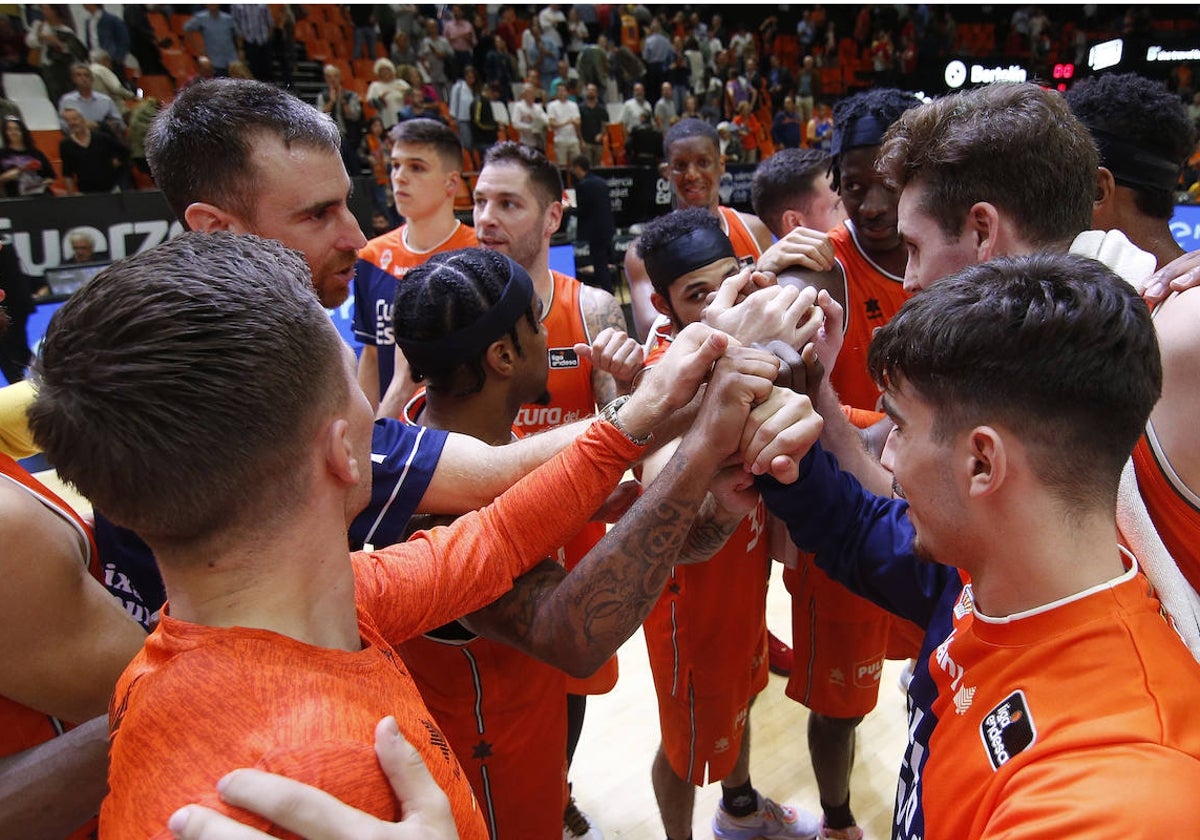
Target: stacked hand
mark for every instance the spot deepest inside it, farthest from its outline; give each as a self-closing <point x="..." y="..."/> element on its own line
<point x="752" y="309"/>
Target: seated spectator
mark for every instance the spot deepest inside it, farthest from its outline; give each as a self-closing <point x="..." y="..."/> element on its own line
<point x="97" y="108"/>
<point x="83" y="247"/>
<point x="387" y="92"/>
<point x="24" y="170"/>
<point x="92" y="161"/>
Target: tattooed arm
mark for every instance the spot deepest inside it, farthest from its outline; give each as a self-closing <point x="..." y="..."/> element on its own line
<point x="601" y="310"/>
<point x="575" y="621"/>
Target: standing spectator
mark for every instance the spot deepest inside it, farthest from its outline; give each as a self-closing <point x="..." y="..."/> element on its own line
<point x="461" y="34"/>
<point x="366" y="36"/>
<point x="541" y="52"/>
<point x="346" y="109"/>
<point x="222" y="40"/>
<point x="596" y="226"/>
<point x="403" y="51"/>
<point x="665" y="114"/>
<point x="697" y="67"/>
<point x="92" y="160"/>
<point x="577" y="35"/>
<point x="593" y="124"/>
<point x="98" y="109"/>
<point x="434" y="52"/>
<point x="564" y="118"/>
<point x="552" y="18"/>
<point x="462" y="95"/>
<point x="564" y="75"/>
<point x="58" y="47"/>
<point x="806" y="34"/>
<point x="690" y="109"/>
<point x="105" y="81"/>
<point x="13" y="52"/>
<point x="105" y="31"/>
<point x="779" y="82"/>
<point x="787" y="128"/>
<point x="636" y="113"/>
<point x="256" y="24"/>
<point x="500" y="68"/>
<point x="387" y="93"/>
<point x="808" y="88"/>
<point x="657" y="54"/>
<point x="24" y="170"/>
<point x="144" y="42"/>
<point x="529" y="118"/>
<point x="751" y="130"/>
<point x="737" y="91"/>
<point x="628" y="69"/>
<point x="485" y="130"/>
<point x="592" y="64"/>
<point x="741" y="45"/>
<point x="283" y="40"/>
<point x="140" y="118"/>
<point x="375" y="152"/>
<point x="385" y="20"/>
<point x="507" y="29"/>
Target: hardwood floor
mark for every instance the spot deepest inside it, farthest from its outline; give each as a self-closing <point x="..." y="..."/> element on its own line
<point x="611" y="771"/>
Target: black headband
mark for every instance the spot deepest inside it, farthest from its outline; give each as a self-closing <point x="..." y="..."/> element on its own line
<point x="695" y="249"/>
<point x="466" y="344"/>
<point x="867" y="130"/>
<point x="1134" y="167"/>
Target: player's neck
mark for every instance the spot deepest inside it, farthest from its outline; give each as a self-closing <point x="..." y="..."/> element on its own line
<point x="291" y="577"/>
<point x="1034" y="561"/>
<point x="543" y="281"/>
<point x="425" y="234"/>
<point x="1153" y="236"/>
<point x="486" y="415"/>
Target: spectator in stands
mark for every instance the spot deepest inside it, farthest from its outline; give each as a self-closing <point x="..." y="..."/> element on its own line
<point x="730" y="142"/>
<point x="24" y="170"/>
<point x="779" y="82"/>
<point x="564" y="74"/>
<point x="690" y="108"/>
<point x="58" y="48"/>
<point x="387" y="93"/>
<point x="346" y="110"/>
<point x="366" y="36"/>
<point x="627" y="69"/>
<point x="422" y="89"/>
<point x="592" y="64"/>
<point x="83" y="247"/>
<point x="13" y="52"/>
<point x="577" y="35"/>
<point x="665" y="113"/>
<point x="461" y="34"/>
<point x="283" y="41"/>
<point x="92" y="161"/>
<point x="657" y="54"/>
<point x="596" y="226"/>
<point x="507" y="29"/>
<point x="787" y="128"/>
<point x="565" y="120"/>
<point x="500" y="68"/>
<point x="593" y="124"/>
<point x="105" y="31"/>
<point x="435" y="51"/>
<point x="144" y="42"/>
<point x="97" y="108"/>
<point x="403" y="51"/>
<point x="462" y="95"/>
<point x="222" y="40"/>
<point x="140" y="119"/>
<point x="374" y="152"/>
<point x="256" y="23"/>
<point x="485" y="130"/>
<point x="529" y="118"/>
<point x="537" y="50"/>
<point x="105" y="81"/>
<point x="636" y="113"/>
<point x="819" y="130"/>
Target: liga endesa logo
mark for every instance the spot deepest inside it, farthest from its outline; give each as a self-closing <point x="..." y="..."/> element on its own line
<point x="1008" y="730"/>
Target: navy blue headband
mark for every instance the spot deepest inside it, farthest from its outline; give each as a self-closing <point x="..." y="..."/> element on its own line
<point x="695" y="249"/>
<point x="1134" y="167"/>
<point x="867" y="130"/>
<point x="468" y="343"/>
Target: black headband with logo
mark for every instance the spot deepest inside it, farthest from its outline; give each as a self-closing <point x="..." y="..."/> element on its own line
<point x="695" y="249"/>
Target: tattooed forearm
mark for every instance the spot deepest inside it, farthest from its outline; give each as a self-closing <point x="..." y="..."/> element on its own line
<point x="577" y="621"/>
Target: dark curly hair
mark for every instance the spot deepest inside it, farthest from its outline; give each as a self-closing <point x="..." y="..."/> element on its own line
<point x="884" y="105"/>
<point x="658" y="232"/>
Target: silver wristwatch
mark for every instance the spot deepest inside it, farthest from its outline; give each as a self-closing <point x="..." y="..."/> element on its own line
<point x="609" y="415"/>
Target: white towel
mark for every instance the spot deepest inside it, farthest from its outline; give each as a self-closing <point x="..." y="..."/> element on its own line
<point x="1180" y="600"/>
<point x="1113" y="248"/>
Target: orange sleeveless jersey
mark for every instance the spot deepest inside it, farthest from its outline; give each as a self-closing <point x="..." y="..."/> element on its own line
<point x="20" y="726"/>
<point x="1174" y="510"/>
<point x="505" y="716"/>
<point x="872" y="297"/>
<point x="744" y="243"/>
<point x="706" y="663"/>
<point x="571" y="398"/>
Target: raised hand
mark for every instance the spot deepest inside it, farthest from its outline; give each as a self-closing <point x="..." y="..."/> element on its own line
<point x="617" y="354"/>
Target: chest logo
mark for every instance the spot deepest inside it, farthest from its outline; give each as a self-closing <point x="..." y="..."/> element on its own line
<point x="1008" y="730"/>
<point x="563" y="357"/>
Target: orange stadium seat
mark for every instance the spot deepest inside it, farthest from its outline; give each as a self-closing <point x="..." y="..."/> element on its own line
<point x="179" y="64"/>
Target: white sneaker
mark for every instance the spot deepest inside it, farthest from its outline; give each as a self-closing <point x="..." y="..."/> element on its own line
<point x="771" y="821"/>
<point x="577" y="825"/>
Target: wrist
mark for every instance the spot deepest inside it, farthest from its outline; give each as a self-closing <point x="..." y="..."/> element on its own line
<point x="631" y="423"/>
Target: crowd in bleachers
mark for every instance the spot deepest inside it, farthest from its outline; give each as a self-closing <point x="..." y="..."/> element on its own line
<point x="765" y="79"/>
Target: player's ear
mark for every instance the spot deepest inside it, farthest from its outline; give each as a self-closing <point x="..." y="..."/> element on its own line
<point x="340" y="458"/>
<point x="554" y="214"/>
<point x="500" y="357"/>
<point x="661" y="304"/>
<point x="986" y="461"/>
<point x="983" y="220"/>
<point x="208" y="218"/>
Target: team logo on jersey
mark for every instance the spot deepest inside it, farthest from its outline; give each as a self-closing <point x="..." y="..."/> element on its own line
<point x="385" y="259"/>
<point x="1008" y="730"/>
<point x="563" y="357"/>
<point x="965" y="603"/>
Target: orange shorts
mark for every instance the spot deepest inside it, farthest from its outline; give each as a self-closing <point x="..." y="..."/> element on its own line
<point x="839" y="643"/>
<point x="707" y="642"/>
